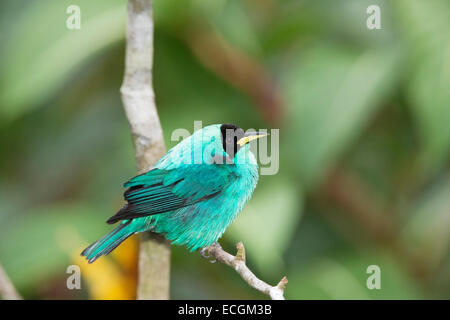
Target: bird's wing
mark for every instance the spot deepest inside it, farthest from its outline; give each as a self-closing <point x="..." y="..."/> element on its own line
<point x="160" y="190"/>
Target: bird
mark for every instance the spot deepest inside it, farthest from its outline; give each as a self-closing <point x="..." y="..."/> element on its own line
<point x="191" y="195"/>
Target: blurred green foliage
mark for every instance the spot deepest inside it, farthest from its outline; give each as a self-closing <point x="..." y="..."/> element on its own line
<point x="370" y="105"/>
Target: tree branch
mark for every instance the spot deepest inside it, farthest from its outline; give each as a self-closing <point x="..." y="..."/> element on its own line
<point x="7" y="290"/>
<point x="237" y="262"/>
<point x="139" y="102"/>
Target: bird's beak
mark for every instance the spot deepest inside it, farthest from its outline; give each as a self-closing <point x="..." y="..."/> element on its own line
<point x="249" y="136"/>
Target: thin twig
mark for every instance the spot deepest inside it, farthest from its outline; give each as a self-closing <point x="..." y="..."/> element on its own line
<point x="237" y="262"/>
<point x="139" y="102"/>
<point x="7" y="290"/>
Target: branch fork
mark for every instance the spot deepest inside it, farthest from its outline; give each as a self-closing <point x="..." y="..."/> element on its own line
<point x="238" y="263"/>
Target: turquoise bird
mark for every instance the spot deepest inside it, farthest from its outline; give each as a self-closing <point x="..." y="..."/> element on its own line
<point x="191" y="195"/>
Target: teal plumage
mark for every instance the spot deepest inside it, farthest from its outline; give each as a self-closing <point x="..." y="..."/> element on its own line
<point x="191" y="195"/>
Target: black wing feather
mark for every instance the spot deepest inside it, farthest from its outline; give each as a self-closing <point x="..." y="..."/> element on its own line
<point x="149" y="200"/>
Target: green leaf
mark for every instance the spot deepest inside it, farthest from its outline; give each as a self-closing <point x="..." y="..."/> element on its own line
<point x="332" y="94"/>
<point x="40" y="52"/>
<point x="344" y="276"/>
<point x="40" y="243"/>
<point x="427" y="230"/>
<point x="235" y="25"/>
<point x="303" y="21"/>
<point x="425" y="26"/>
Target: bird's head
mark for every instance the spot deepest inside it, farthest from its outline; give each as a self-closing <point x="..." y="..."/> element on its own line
<point x="217" y="143"/>
<point x="234" y="139"/>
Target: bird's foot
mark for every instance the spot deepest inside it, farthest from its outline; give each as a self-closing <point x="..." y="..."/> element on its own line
<point x="204" y="252"/>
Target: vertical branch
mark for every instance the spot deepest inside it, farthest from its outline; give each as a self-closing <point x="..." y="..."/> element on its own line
<point x="139" y="103"/>
<point x="7" y="290"/>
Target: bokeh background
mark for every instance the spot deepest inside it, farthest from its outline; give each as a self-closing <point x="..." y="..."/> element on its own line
<point x="364" y="118"/>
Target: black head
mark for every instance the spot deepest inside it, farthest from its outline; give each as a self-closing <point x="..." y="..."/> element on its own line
<point x="231" y="134"/>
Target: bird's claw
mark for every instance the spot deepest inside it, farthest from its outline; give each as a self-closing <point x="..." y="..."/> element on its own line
<point x="204" y="254"/>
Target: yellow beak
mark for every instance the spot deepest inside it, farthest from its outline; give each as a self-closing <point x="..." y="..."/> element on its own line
<point x="250" y="136"/>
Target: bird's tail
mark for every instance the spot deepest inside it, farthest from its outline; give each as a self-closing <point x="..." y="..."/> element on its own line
<point x="109" y="242"/>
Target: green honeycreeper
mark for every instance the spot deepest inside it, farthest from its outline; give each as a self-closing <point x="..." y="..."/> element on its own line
<point x="191" y="195"/>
